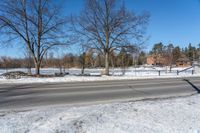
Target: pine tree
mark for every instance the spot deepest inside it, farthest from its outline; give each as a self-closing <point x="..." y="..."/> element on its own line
<point x="142" y="58"/>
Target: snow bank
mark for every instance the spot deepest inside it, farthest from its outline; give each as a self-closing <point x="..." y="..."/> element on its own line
<point x="181" y="115"/>
<point x="71" y="78"/>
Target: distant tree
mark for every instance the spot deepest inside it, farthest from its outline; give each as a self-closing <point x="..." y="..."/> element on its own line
<point x="142" y="58"/>
<point x="99" y="60"/>
<point x="185" y="52"/>
<point x="82" y="62"/>
<point x="113" y="59"/>
<point x="89" y="58"/>
<point x="59" y="64"/>
<point x="64" y="62"/>
<point x="108" y="26"/>
<point x="157" y="51"/>
<point x="198" y="52"/>
<point x="158" y="48"/>
<point x="169" y="54"/>
<point x="124" y="60"/>
<point x="36" y="23"/>
<point x="176" y="54"/>
<point x="190" y="52"/>
<point x="1" y="63"/>
<point x="6" y="61"/>
<point x="28" y="61"/>
<point x="68" y="60"/>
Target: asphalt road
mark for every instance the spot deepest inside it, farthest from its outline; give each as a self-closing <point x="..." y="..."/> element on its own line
<point x="17" y="96"/>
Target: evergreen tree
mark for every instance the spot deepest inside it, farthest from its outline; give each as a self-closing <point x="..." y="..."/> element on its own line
<point x="176" y="54"/>
<point x="142" y="58"/>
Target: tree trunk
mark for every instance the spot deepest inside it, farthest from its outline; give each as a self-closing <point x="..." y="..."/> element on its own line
<point x="37" y="71"/>
<point x="170" y="68"/>
<point x="83" y="69"/>
<point x="83" y="63"/>
<point x="106" y="63"/>
<point x="37" y="67"/>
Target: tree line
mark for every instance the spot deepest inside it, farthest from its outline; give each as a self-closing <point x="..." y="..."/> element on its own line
<point x="87" y="59"/>
<point x="92" y="59"/>
<point x="176" y="52"/>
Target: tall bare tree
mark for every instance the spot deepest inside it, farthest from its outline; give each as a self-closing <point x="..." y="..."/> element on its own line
<point x="36" y="23"/>
<point x="107" y="26"/>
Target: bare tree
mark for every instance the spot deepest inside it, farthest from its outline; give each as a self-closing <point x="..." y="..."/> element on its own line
<point x="89" y="61"/>
<point x="36" y="23"/>
<point x="169" y="51"/>
<point x="6" y="62"/>
<point x="82" y="58"/>
<point x="107" y="26"/>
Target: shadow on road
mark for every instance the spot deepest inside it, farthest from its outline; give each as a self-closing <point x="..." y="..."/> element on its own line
<point x="195" y="87"/>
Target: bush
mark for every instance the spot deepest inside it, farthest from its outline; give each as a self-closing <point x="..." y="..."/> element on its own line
<point x="14" y="75"/>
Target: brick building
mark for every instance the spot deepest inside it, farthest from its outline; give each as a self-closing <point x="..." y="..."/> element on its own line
<point x="157" y="60"/>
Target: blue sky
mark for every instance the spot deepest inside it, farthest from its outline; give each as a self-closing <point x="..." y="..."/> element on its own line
<point x="171" y="21"/>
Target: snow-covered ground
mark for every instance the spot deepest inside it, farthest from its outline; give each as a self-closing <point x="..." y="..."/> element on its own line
<point x="180" y="115"/>
<point x="130" y="73"/>
<point x="143" y="70"/>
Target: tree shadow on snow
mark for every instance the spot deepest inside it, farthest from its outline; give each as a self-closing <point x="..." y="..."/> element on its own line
<point x="195" y="87"/>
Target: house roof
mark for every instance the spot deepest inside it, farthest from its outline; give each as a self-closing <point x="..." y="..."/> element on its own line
<point x="183" y="59"/>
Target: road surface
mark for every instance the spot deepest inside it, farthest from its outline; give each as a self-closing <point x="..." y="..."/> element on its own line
<point x="18" y="96"/>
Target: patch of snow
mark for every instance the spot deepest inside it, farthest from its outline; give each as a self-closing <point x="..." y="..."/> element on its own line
<point x="70" y="78"/>
<point x="180" y="115"/>
<point x="98" y="70"/>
